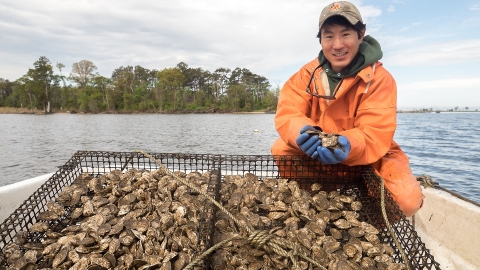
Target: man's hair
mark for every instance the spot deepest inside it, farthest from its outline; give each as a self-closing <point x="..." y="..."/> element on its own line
<point x="340" y="20"/>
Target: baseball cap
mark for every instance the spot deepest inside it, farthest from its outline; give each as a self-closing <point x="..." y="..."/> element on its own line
<point x="341" y="8"/>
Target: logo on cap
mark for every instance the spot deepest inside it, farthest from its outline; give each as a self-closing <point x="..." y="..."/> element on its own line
<point x="335" y="6"/>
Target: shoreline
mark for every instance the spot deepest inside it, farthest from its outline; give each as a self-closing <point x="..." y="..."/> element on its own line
<point x="11" y="110"/>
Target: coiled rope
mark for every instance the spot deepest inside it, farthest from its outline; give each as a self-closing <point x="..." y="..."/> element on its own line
<point x="257" y="238"/>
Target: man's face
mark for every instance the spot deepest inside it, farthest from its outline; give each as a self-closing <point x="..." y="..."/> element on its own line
<point x="340" y="45"/>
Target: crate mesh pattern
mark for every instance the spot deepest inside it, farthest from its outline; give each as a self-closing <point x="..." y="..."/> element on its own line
<point x="357" y="180"/>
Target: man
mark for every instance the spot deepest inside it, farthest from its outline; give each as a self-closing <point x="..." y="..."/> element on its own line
<point x="347" y="91"/>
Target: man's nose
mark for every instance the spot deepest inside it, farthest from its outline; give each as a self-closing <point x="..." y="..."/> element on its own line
<point x="337" y="43"/>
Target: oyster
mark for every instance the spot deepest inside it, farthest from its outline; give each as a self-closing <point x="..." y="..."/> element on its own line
<point x="328" y="140"/>
<point x="39" y="227"/>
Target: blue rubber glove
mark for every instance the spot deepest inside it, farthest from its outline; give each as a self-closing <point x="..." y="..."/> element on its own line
<point x="327" y="157"/>
<point x="307" y="143"/>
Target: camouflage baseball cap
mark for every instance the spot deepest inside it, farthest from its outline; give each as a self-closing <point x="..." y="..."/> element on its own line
<point x="341" y="8"/>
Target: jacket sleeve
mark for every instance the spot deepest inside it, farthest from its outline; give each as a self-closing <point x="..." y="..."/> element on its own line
<point x="374" y="120"/>
<point x="294" y="105"/>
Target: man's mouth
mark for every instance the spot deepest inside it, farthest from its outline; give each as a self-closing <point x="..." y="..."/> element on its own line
<point x="339" y="54"/>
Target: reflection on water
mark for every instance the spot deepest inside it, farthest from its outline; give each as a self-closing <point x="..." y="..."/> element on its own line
<point x="444" y="146"/>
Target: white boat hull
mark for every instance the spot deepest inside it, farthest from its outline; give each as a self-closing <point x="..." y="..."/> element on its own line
<point x="450" y="228"/>
<point x="13" y="195"/>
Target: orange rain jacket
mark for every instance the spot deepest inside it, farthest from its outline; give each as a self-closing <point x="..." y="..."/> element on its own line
<point x="364" y="111"/>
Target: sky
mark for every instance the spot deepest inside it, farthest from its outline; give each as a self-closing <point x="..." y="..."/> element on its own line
<point x="432" y="48"/>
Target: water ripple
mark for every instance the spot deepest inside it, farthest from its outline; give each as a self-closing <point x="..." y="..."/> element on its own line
<point x="444" y="146"/>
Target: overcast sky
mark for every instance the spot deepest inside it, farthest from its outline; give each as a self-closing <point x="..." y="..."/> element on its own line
<point x="432" y="48"/>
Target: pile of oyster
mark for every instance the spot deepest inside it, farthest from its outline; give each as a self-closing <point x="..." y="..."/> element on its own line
<point x="150" y="220"/>
<point x="323" y="225"/>
<point x="132" y="220"/>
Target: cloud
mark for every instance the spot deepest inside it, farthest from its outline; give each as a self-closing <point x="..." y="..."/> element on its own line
<point x="271" y="38"/>
<point x="455" y="91"/>
<point x="440" y="53"/>
<point x="446" y="84"/>
<point x="473" y="23"/>
<point x="208" y="34"/>
<point x="474" y="7"/>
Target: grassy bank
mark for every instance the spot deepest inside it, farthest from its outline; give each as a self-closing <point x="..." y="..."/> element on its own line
<point x="12" y="110"/>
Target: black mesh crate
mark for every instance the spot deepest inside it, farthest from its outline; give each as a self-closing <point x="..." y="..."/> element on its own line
<point x="358" y="180"/>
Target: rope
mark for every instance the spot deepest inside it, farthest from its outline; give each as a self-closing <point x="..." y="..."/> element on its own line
<point x="258" y="239"/>
<point x="389" y="226"/>
<point x="126" y="162"/>
<point x="210" y="251"/>
<point x="427" y="182"/>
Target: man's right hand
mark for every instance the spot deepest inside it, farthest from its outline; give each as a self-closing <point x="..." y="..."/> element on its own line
<point x="307" y="143"/>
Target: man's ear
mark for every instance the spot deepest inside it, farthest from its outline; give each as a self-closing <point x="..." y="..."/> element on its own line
<point x="362" y="33"/>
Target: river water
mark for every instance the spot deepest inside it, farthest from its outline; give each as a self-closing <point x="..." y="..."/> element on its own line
<point x="445" y="146"/>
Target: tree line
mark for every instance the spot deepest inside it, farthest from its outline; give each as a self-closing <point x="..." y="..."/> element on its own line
<point x="136" y="89"/>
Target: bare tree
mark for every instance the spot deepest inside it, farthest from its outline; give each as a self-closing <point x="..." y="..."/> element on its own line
<point x="83" y="72"/>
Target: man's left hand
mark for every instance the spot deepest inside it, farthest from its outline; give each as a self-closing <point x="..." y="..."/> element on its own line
<point x="327" y="157"/>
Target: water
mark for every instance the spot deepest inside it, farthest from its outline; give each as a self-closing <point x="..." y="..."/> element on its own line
<point x="445" y="146"/>
<point x="32" y="145"/>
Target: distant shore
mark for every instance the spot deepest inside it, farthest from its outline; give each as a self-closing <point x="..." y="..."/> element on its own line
<point x="11" y="110"/>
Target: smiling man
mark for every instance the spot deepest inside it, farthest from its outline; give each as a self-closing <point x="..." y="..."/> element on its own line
<point x="347" y="91"/>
